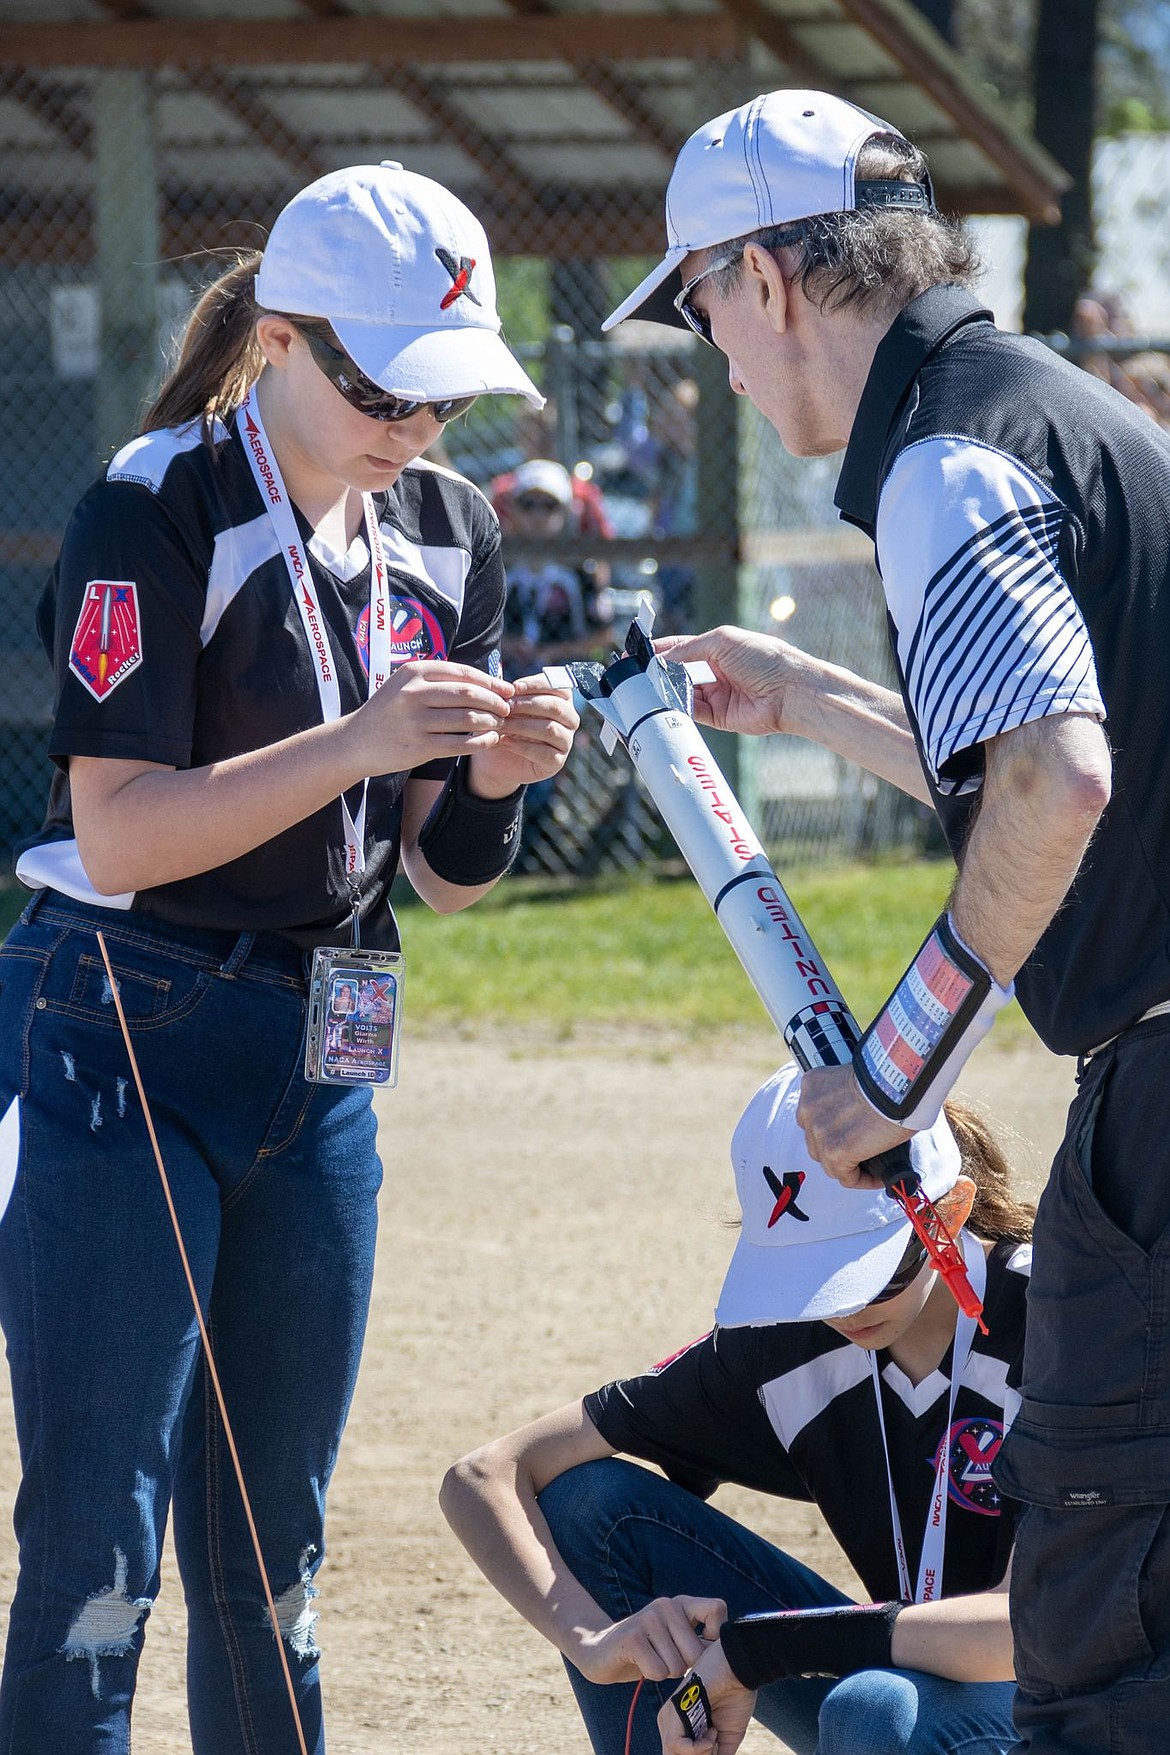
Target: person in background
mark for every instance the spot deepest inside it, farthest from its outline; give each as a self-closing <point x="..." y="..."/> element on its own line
<point x="536" y="430"/>
<point x="554" y="611"/>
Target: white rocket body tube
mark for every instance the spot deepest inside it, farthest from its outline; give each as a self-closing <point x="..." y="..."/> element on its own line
<point x="730" y="865"/>
<point x="645" y="700"/>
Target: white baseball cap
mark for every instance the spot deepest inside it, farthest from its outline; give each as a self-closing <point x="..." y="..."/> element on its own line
<point x="402" y="270"/>
<point x="786" y="155"/>
<point x="542" y="476"/>
<point x="809" y="1247"/>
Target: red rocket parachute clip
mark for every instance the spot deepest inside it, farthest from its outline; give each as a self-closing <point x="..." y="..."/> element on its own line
<point x="945" y="1255"/>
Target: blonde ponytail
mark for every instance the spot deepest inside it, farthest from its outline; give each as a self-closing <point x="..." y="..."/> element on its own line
<point x="997" y="1213"/>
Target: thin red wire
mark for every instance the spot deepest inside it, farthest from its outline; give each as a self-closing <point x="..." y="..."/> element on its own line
<point x="207" y="1352"/>
<point x="630" y="1720"/>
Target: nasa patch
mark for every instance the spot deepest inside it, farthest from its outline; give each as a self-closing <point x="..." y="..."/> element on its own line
<point x="972" y="1447"/>
<point x="107" y="641"/>
<point x="414" y="633"/>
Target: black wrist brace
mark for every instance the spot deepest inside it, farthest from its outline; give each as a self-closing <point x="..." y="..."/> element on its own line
<point x="469" y="840"/>
<point x="916" y="1047"/>
<point x="836" y="1641"/>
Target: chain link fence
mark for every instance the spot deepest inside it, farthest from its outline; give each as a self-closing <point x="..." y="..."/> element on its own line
<point x="118" y="183"/>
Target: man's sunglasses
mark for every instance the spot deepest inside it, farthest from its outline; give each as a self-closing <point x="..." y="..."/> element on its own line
<point x="698" y="320"/>
<point x="695" y="319"/>
<point x="369" y="398"/>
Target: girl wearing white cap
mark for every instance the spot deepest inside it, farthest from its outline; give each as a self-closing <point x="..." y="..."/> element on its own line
<point x="243" y="759"/>
<point x="839" y="1371"/>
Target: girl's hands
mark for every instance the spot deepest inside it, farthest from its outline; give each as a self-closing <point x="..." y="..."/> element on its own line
<point x="533" y="743"/>
<point x="731" y="1711"/>
<point x="427" y="711"/>
<point x="663" y="1639"/>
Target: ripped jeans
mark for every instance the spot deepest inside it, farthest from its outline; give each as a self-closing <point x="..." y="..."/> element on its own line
<point x="274" y="1182"/>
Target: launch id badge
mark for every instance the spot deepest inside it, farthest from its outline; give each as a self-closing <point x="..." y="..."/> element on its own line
<point x="355" y="1014"/>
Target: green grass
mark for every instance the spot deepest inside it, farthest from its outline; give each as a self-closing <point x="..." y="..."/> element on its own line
<point x="647" y="952"/>
<point x="650" y="953"/>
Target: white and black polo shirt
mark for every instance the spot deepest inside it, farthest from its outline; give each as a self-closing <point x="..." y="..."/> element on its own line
<point x="1021" y="515"/>
<point x="790" y="1410"/>
<point x="216" y="662"/>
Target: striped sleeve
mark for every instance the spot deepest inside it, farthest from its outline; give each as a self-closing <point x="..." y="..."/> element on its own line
<point x="989" y="634"/>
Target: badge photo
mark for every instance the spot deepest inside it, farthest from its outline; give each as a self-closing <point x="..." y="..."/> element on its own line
<point x="107" y="641"/>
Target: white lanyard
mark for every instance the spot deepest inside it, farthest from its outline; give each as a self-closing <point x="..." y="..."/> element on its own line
<point x="930" y="1569"/>
<point x="269" y="480"/>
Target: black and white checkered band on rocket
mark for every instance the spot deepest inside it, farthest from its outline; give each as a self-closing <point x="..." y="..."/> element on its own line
<point x="823" y="1034"/>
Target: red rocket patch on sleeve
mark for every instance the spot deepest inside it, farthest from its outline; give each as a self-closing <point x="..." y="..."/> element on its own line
<point x="107" y="641"/>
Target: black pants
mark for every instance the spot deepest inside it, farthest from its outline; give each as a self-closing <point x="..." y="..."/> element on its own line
<point x="1089" y="1453"/>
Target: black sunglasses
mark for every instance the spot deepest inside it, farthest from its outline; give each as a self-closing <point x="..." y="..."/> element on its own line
<point x="536" y="503"/>
<point x="691" y="316"/>
<point x="369" y="398"/>
<point x="698" y="320"/>
<point x="906" y="1272"/>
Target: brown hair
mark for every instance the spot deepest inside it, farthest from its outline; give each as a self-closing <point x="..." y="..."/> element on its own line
<point x="997" y="1213"/>
<point x="873" y="260"/>
<point x="219" y="357"/>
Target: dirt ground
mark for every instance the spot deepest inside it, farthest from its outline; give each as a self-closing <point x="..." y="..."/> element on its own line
<point x="554" y="1214"/>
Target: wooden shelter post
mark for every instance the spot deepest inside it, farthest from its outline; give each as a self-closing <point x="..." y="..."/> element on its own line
<point x="126" y="226"/>
<point x="717" y="584"/>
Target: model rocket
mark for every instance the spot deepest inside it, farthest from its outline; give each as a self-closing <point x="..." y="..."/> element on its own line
<point x="646" y="701"/>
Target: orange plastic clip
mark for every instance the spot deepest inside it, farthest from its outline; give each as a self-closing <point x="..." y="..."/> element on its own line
<point x="945" y="1255"/>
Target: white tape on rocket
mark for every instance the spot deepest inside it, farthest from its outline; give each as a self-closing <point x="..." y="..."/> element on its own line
<point x="9" y="1152"/>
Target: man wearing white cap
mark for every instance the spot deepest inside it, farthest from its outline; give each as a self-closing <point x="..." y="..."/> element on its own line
<point x="838" y="1372"/>
<point x="1019" y="512"/>
<point x="276" y="638"/>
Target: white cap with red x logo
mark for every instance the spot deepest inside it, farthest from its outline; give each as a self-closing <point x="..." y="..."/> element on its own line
<point x="402" y="270"/>
<point x="809" y="1247"/>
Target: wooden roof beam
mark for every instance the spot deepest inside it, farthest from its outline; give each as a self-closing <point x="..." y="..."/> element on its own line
<point x="504" y="176"/>
<point x="773" y="31"/>
<point x="618" y="94"/>
<point x="262" y="122"/>
<point x="931" y="65"/>
<point x="564" y="224"/>
<point x="151" y="42"/>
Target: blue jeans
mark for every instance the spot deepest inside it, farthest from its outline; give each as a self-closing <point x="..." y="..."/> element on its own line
<point x="630" y="1536"/>
<point x="274" y="1182"/>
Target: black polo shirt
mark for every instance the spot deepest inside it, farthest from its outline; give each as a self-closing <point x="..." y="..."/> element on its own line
<point x="172" y="564"/>
<point x="1020" y="511"/>
<point x="789" y="1409"/>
